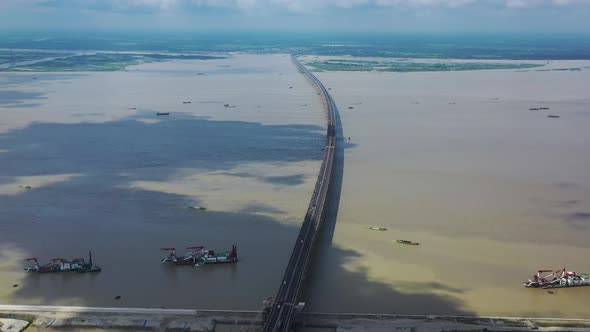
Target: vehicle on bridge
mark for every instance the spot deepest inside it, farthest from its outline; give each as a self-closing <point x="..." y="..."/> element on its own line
<point x="557" y="279"/>
<point x="63" y="265"/>
<point x="198" y="256"/>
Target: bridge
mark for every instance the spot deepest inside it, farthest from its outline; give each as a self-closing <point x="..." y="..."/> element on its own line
<point x="284" y="305"/>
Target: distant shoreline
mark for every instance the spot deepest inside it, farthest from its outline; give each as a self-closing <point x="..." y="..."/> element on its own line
<point x="31" y="60"/>
<point x="39" y="61"/>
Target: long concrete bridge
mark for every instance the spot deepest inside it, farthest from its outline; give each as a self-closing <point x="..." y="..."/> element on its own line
<point x="284" y="305"/>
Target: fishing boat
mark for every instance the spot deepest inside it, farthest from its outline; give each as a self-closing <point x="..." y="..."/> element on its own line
<point x="63" y="265"/>
<point x="411" y="243"/>
<point x="557" y="279"/>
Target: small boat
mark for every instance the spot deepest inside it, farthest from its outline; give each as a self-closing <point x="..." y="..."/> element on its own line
<point x="533" y="109"/>
<point x="553" y="116"/>
<point x="162" y="113"/>
<point x="350" y="107"/>
<point x="407" y="242"/>
<point x="199" y="208"/>
<point x="557" y="279"/>
<point x="544" y="108"/>
<point x="186" y="102"/>
<point x="378" y="228"/>
<point x="24" y="186"/>
<point x="132" y="108"/>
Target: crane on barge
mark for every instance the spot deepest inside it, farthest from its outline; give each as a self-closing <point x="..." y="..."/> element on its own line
<point x="557" y="279"/>
<point x="63" y="265"/>
<point x="198" y="256"/>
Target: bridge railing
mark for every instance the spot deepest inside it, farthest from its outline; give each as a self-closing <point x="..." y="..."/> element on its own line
<point x="283" y="308"/>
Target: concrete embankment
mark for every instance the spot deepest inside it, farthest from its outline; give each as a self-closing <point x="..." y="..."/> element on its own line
<point x="12" y="325"/>
<point x="129" y="318"/>
<point x="348" y="322"/>
<point x="213" y="320"/>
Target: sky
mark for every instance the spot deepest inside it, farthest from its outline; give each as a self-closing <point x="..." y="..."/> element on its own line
<point x="539" y="16"/>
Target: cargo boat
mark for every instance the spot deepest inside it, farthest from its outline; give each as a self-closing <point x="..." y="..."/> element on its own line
<point x="557" y="279"/>
<point x="200" y="256"/>
<point x="63" y="265"/>
<point x="410" y="243"/>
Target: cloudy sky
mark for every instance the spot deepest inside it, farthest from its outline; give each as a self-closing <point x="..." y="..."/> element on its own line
<point x="302" y="15"/>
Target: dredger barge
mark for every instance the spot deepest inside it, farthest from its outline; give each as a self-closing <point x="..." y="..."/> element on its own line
<point x="557" y="279"/>
<point x="63" y="265"/>
<point x="200" y="256"/>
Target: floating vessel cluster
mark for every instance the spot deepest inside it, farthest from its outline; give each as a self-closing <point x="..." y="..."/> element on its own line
<point x="557" y="279"/>
<point x="197" y="256"/>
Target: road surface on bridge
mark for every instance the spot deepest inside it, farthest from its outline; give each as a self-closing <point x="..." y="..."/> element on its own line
<point x="283" y="307"/>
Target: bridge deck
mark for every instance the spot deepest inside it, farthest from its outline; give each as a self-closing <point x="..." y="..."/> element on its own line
<point x="283" y="308"/>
